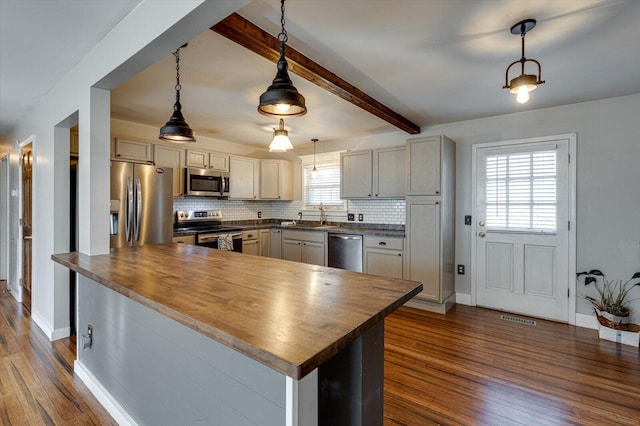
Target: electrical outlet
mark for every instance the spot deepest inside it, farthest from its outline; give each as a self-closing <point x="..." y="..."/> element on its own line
<point x="360" y="217"/>
<point x="460" y="269"/>
<point x="259" y="215"/>
<point x="351" y="217"/>
<point x="467" y="219"/>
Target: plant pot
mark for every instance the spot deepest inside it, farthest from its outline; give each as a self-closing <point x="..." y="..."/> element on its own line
<point x="612" y="321"/>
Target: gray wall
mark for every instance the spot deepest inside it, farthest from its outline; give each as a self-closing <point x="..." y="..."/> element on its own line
<point x="163" y="373"/>
<point x="608" y="180"/>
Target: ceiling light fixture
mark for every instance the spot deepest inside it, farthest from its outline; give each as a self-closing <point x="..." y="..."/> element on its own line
<point x="282" y="99"/>
<point x="314" y="171"/>
<point x="524" y="83"/>
<point x="280" y="142"/>
<point x="176" y="129"/>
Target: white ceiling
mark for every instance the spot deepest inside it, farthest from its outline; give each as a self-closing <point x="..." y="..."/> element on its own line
<point x="432" y="61"/>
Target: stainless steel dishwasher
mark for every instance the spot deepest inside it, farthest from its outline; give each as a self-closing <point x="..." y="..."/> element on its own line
<point x="345" y="251"/>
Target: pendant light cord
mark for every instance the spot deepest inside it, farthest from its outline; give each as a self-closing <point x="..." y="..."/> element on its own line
<point x="178" y="85"/>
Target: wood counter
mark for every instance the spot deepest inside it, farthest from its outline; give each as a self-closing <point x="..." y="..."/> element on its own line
<point x="290" y="316"/>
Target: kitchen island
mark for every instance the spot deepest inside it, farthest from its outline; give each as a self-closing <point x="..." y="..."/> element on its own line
<point x="184" y="334"/>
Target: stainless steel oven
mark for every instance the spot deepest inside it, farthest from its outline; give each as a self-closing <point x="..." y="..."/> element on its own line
<point x="212" y="239"/>
<point x="206" y="183"/>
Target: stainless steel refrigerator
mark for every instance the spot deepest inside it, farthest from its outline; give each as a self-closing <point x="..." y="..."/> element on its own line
<point x="141" y="208"/>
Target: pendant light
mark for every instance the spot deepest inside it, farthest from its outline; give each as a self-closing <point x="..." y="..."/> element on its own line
<point x="282" y="99"/>
<point x="280" y="142"/>
<point x="524" y="83"/>
<point x="176" y="129"/>
<point x="314" y="172"/>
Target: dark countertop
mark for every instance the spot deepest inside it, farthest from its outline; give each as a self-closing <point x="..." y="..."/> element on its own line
<point x="380" y="230"/>
<point x="290" y="316"/>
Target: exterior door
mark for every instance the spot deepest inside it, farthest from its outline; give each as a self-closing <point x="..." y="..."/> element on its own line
<point x="27" y="185"/>
<point x="522" y="228"/>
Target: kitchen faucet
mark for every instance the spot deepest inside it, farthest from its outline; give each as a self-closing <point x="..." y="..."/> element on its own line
<point x="323" y="215"/>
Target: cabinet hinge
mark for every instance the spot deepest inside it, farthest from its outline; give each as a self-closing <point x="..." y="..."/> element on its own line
<point x="569" y="155"/>
<point x="568" y="293"/>
<point x="569" y="226"/>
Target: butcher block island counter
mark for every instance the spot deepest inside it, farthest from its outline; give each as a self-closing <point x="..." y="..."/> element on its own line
<point x="184" y="334"/>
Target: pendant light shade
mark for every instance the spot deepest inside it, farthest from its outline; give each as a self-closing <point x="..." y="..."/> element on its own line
<point x="524" y="83"/>
<point x="280" y="142"/>
<point x="176" y="129"/>
<point x="282" y="99"/>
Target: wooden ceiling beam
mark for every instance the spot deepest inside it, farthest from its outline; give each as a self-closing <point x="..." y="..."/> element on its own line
<point x="238" y="29"/>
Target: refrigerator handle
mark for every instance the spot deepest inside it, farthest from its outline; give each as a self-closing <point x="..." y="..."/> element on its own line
<point x="128" y="210"/>
<point x="138" y="208"/>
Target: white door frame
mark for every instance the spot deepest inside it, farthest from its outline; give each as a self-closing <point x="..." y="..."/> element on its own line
<point x="571" y="137"/>
<point x="19" y="246"/>
<point x="6" y="212"/>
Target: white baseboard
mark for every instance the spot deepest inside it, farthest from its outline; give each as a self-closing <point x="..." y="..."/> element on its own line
<point x="587" y="321"/>
<point x="463" y="299"/>
<point x="112" y="406"/>
<point x="51" y="334"/>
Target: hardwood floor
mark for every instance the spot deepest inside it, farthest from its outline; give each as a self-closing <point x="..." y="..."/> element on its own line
<point x="37" y="385"/>
<point x="470" y="367"/>
<point x="465" y="368"/>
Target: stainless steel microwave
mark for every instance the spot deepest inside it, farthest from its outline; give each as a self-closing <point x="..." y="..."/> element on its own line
<point x="206" y="183"/>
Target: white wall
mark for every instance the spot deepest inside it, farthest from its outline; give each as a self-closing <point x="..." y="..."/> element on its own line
<point x="144" y="36"/>
<point x="608" y="179"/>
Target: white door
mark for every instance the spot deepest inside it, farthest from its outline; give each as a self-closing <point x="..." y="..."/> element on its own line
<point x="521" y="227"/>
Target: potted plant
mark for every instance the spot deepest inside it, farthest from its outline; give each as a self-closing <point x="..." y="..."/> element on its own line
<point x="611" y="304"/>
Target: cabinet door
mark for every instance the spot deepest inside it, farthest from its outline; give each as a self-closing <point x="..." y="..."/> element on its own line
<point x="313" y="253"/>
<point x="276" y="244"/>
<point x="389" y="173"/>
<point x="186" y="239"/>
<point x="270" y="179"/>
<point x="423" y="246"/>
<point x="251" y="247"/>
<point x="219" y="161"/>
<point x="133" y="150"/>
<point x="292" y="250"/>
<point x="265" y="242"/>
<point x="197" y="159"/>
<point x="243" y="174"/>
<point x="356" y="174"/>
<point x="387" y="263"/>
<point x="423" y="163"/>
<point x="167" y="156"/>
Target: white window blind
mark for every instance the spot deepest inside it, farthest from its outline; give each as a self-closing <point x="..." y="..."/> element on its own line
<point x="324" y="188"/>
<point x="521" y="191"/>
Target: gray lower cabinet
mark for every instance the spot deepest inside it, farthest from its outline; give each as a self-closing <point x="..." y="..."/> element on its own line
<point x="251" y="242"/>
<point x="305" y="246"/>
<point x="265" y="242"/>
<point x="384" y="256"/>
<point x="276" y="244"/>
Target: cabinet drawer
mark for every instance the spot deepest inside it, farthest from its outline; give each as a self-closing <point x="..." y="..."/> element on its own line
<point x="250" y="235"/>
<point x="318" y="237"/>
<point x="391" y="243"/>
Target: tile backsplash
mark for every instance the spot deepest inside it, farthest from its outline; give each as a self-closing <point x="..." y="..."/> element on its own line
<point x="374" y="211"/>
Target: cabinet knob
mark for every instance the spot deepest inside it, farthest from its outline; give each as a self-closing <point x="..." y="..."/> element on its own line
<point x="376" y="195"/>
<point x="369" y="195"/>
<point x="437" y="192"/>
<point x="399" y="254"/>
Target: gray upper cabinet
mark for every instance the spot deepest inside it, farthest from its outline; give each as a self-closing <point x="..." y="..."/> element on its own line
<point x="378" y="173"/>
<point x="424" y="166"/>
<point x="167" y="156"/>
<point x="356" y="174"/>
<point x="276" y="180"/>
<point x="389" y="172"/>
<point x="133" y="150"/>
<point x="244" y="176"/>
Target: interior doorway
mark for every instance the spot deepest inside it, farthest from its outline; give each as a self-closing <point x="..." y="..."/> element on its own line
<point x="26" y="163"/>
<point x="73" y="222"/>
<point x="4" y="219"/>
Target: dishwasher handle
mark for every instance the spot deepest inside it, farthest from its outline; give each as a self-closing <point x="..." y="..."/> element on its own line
<point x="346" y="237"/>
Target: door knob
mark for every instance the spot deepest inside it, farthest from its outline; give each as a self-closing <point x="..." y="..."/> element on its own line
<point x="481" y="223"/>
<point x="481" y="234"/>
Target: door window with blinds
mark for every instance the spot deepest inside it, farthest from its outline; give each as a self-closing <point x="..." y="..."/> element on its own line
<point x="521" y="191"/>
